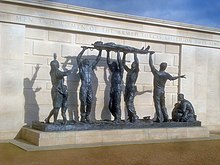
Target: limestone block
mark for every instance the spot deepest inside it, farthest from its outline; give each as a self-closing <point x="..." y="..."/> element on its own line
<point x="28" y="46"/>
<point x="136" y="44"/>
<point x="168" y="58"/>
<point x="148" y="99"/>
<point x="145" y="78"/>
<point x="188" y="60"/>
<point x="213" y="128"/>
<point x="43" y="73"/>
<point x="157" y="134"/>
<point x="86" y="39"/>
<point x="187" y="87"/>
<point x="11" y="76"/>
<point x="202" y="117"/>
<point x="157" y="47"/>
<point x="42" y="48"/>
<point x="36" y="34"/>
<point x="200" y="83"/>
<point x="169" y="99"/>
<point x="34" y="60"/>
<point x="61" y="36"/>
<point x="11" y="37"/>
<point x="174" y="49"/>
<point x="171" y="89"/>
<point x="176" y="133"/>
<point x="169" y="83"/>
<point x="43" y="98"/>
<point x="176" y="61"/>
<point x="7" y="135"/>
<point x="143" y="59"/>
<point x="172" y="70"/>
<point x="117" y="41"/>
<point x="147" y="68"/>
<point x="59" y="138"/>
<point x="85" y="137"/>
<point x="70" y="50"/>
<point x="123" y="135"/>
<point x="196" y="132"/>
<point x="103" y="87"/>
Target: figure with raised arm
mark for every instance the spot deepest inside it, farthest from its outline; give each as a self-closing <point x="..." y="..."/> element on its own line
<point x="160" y="79"/>
<point x="130" y="88"/>
<point x="117" y="70"/>
<point x="86" y="94"/>
<point x="58" y="92"/>
<point x="183" y="110"/>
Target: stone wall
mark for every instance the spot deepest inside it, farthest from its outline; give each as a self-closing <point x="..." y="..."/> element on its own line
<point x="31" y="31"/>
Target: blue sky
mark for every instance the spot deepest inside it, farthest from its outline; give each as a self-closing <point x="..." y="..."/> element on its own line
<point x="198" y="12"/>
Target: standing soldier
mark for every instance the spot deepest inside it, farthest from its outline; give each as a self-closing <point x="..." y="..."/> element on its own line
<point x="58" y="91"/>
<point x="131" y="89"/>
<point x="117" y="70"/>
<point x="160" y="79"/>
<point x="86" y="95"/>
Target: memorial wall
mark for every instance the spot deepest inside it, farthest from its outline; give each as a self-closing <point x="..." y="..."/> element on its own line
<point x="31" y="31"/>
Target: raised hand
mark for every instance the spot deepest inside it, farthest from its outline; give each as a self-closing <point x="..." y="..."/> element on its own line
<point x="183" y="76"/>
<point x="37" y="67"/>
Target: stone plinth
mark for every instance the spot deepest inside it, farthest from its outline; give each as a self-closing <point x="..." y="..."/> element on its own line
<point x="111" y="136"/>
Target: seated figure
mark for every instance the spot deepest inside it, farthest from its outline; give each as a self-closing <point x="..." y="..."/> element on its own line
<point x="183" y="110"/>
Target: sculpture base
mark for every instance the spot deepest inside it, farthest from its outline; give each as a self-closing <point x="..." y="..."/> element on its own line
<point x="110" y="137"/>
<point x="108" y="125"/>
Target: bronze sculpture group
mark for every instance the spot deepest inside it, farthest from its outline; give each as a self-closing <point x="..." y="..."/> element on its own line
<point x="183" y="111"/>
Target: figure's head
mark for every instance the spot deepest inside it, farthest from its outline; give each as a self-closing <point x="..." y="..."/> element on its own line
<point x="180" y="97"/>
<point x="85" y="62"/>
<point x="114" y="65"/>
<point x="54" y="65"/>
<point x="163" y="66"/>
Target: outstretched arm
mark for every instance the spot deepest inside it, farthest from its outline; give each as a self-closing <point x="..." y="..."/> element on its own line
<point x="97" y="59"/>
<point x="108" y="59"/>
<point x="153" y="70"/>
<point x="123" y="62"/>
<point x="120" y="64"/>
<point x="176" y="77"/>
<point x="78" y="59"/>
<point x="136" y="61"/>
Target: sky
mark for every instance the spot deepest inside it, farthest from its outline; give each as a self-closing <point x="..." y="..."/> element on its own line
<point x="197" y="12"/>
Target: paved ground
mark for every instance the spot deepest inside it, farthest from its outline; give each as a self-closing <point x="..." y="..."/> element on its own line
<point x="201" y="152"/>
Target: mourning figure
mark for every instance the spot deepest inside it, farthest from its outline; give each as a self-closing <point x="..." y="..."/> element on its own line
<point x="183" y="110"/>
<point x="160" y="79"/>
<point x="117" y="70"/>
<point x="130" y="88"/>
<point x="86" y="94"/>
<point x="58" y="92"/>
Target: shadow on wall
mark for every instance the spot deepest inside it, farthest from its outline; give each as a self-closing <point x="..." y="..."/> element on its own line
<point x="30" y="105"/>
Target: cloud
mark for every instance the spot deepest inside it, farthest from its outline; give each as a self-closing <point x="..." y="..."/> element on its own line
<point x="206" y="13"/>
